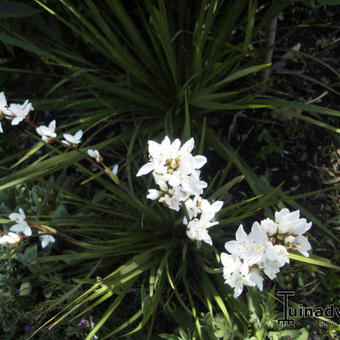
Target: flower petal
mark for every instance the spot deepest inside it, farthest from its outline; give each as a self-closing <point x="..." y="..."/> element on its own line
<point x="153" y="194"/>
<point x="78" y="134"/>
<point x="16" y="228"/>
<point x="27" y="230"/>
<point x="199" y="161"/>
<point x="52" y="125"/>
<point x="187" y="146"/>
<point x="154" y="149"/>
<point x="145" y="169"/>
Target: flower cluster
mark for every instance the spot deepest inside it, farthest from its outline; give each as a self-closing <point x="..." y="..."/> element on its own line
<point x="176" y="172"/>
<point x="21" y="225"/>
<point x="23" y="228"/>
<point x="264" y="250"/>
<point x="14" y="112"/>
<point x="17" y="113"/>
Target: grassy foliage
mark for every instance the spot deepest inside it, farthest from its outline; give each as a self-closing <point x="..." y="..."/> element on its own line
<point x="126" y="72"/>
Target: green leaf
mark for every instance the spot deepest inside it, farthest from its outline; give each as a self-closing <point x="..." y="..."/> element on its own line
<point x="25" y="289"/>
<point x="221" y="192"/>
<point x="49" y="290"/>
<point x="98" y="196"/>
<point x="111" y="175"/>
<point x="31" y="254"/>
<point x="187" y="128"/>
<point x="110" y="310"/>
<point x="240" y="74"/>
<point x="60" y="212"/>
<point x="296" y="334"/>
<point x="317" y="260"/>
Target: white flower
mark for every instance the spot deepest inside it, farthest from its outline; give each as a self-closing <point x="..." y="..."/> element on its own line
<point x="47" y="133"/>
<point x="241" y="245"/>
<point x="286" y="222"/>
<point x="21" y="227"/>
<point x="193" y="207"/>
<point x="278" y="254"/>
<point x="3" y="103"/>
<point x="172" y="198"/>
<point x="197" y="230"/>
<point x="236" y="273"/>
<point x="169" y="197"/>
<point x="3" y="108"/>
<point x="256" y="277"/>
<point x="46" y="239"/>
<point x="270" y="268"/>
<point x="269" y="226"/>
<point x="11" y="238"/>
<point x="169" y="160"/>
<point x="192" y="184"/>
<point x="302" y="245"/>
<point x="153" y="194"/>
<point x="94" y="154"/>
<point x="291" y="223"/>
<point x="197" y="227"/>
<point x="289" y="227"/>
<point x="115" y="169"/>
<point x="70" y="140"/>
<point x="209" y="210"/>
<point x="171" y="201"/>
<point x="258" y="241"/>
<point x="256" y="253"/>
<point x="230" y="264"/>
<point x="18" y="112"/>
<point x="158" y="154"/>
<point x="199" y="206"/>
<point x="289" y="240"/>
<point x="18" y="217"/>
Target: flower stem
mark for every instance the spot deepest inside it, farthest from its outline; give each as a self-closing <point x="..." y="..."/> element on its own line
<point x="185" y="210"/>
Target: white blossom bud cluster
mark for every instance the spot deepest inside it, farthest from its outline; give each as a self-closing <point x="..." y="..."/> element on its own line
<point x="264" y="250"/>
<point x="14" y="112"/>
<point x="175" y="171"/>
<point x="22" y="228"/>
<point x="18" y="112"/>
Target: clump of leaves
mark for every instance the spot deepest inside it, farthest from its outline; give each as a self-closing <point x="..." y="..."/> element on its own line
<point x="270" y="145"/>
<point x="23" y="299"/>
<point x="260" y="309"/>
